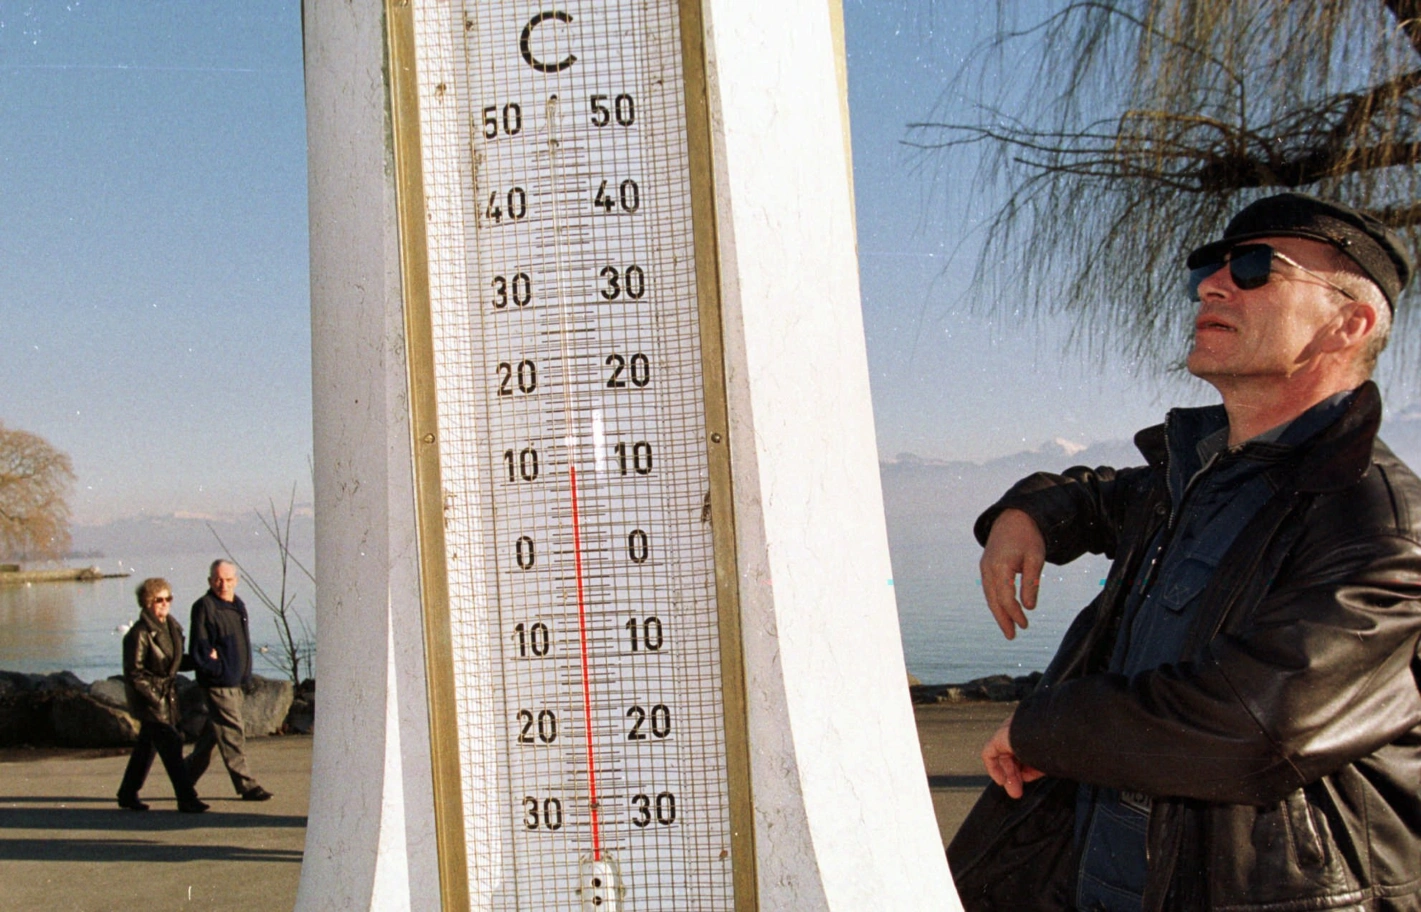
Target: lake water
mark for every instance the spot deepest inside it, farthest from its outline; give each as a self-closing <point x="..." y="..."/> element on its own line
<point x="948" y="634"/>
<point x="75" y="626"/>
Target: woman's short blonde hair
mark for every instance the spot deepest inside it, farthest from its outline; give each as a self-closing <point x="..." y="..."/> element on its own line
<point x="149" y="588"/>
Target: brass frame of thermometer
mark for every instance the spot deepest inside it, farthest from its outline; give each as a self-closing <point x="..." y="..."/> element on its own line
<point x="434" y="574"/>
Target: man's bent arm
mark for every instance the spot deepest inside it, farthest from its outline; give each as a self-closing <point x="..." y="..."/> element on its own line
<point x="202" y="649"/>
<point x="1079" y="510"/>
<point x="1319" y="676"/>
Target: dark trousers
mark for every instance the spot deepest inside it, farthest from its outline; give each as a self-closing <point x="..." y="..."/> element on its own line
<point x="163" y="739"/>
<point x="224" y="732"/>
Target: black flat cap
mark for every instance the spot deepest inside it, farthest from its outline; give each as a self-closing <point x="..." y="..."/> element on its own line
<point x="1373" y="246"/>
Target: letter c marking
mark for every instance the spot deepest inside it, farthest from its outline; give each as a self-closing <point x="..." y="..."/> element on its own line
<point x="525" y="43"/>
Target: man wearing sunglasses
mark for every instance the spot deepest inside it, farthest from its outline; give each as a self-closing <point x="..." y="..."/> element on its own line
<point x="1235" y="721"/>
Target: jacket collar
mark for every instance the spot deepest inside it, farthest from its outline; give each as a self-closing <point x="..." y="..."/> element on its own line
<point x="1338" y="457"/>
<point x="171" y="625"/>
<point x="236" y="604"/>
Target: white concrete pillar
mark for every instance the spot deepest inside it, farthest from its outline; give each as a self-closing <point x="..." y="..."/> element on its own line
<point x="370" y="838"/>
<point x="843" y="818"/>
<point x="843" y="815"/>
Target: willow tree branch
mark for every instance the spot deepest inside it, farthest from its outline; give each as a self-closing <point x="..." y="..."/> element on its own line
<point x="1408" y="19"/>
<point x="1237" y="172"/>
<point x="1400" y="216"/>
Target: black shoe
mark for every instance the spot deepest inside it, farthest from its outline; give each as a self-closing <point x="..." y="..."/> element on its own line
<point x="131" y="803"/>
<point x="256" y="793"/>
<point x="191" y="806"/>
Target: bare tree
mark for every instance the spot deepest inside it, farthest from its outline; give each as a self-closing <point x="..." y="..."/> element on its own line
<point x="35" y="480"/>
<point x="298" y="646"/>
<point x="1146" y="123"/>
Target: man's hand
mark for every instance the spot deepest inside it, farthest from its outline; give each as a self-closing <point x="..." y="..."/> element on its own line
<point x="212" y="653"/>
<point x="1014" y="547"/>
<point x="1002" y="765"/>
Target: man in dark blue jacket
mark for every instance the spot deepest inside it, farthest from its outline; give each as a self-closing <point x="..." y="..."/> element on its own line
<point x="222" y="650"/>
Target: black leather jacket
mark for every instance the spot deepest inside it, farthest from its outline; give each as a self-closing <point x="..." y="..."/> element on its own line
<point x="150" y="672"/>
<point x="1284" y="747"/>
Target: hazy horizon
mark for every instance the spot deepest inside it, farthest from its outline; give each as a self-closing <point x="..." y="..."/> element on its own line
<point x="153" y="248"/>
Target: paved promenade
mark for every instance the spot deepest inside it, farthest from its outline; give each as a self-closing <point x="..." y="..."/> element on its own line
<point x="65" y="844"/>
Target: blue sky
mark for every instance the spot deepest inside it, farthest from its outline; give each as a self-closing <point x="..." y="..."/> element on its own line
<point x="948" y="380"/>
<point x="153" y="255"/>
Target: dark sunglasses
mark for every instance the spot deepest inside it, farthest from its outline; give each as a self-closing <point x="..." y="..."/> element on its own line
<point x="1250" y="265"/>
<point x="162" y="599"/>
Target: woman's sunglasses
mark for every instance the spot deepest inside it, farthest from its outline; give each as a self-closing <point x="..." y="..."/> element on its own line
<point x="1250" y="265"/>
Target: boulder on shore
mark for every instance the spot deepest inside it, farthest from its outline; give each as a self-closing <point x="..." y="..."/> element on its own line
<point x="57" y="709"/>
<point x="301" y="718"/>
<point x="264" y="707"/>
<point x="994" y="688"/>
<point x="193" y="706"/>
<point x="110" y="691"/>
<point x="81" y="720"/>
<point x="57" y="682"/>
<point x="61" y="710"/>
<point x="23" y="717"/>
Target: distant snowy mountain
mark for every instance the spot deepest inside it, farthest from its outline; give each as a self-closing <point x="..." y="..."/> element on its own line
<point x="932" y="503"/>
<point x="947" y="496"/>
<point x="186" y="533"/>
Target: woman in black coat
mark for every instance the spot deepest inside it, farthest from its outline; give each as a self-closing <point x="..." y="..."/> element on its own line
<point x="152" y="656"/>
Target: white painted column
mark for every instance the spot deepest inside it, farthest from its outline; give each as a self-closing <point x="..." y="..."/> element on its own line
<point x="844" y="819"/>
<point x="843" y="816"/>
<point x="370" y="838"/>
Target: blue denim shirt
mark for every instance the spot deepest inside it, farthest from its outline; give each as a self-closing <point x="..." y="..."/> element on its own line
<point x="1214" y="491"/>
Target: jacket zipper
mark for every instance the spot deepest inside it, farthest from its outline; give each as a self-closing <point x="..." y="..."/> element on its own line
<point x="1250" y="571"/>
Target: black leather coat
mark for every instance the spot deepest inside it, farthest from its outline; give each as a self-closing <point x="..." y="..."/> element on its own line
<point x="1283" y="748"/>
<point x="150" y="672"/>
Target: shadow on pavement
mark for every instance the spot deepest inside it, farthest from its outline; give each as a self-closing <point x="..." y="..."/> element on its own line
<point x="53" y="799"/>
<point x="102" y="850"/>
<point x="959" y="782"/>
<point x="115" y="819"/>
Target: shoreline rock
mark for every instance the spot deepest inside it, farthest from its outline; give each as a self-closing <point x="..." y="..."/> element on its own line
<point x="60" y="710"/>
<point x="991" y="689"/>
<point x="301" y="717"/>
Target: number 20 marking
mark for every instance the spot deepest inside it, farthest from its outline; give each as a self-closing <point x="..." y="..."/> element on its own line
<point x="639" y="373"/>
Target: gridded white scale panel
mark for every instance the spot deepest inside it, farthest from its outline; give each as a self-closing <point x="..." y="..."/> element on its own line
<point x="573" y="443"/>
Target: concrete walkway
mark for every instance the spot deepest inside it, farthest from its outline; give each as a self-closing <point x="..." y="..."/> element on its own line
<point x="66" y="845"/>
<point x="952" y="736"/>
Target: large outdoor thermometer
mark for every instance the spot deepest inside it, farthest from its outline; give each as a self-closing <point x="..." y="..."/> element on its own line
<point x="598" y="695"/>
<point x="605" y="615"/>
